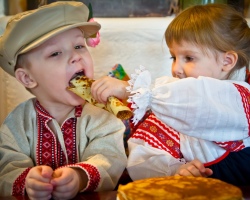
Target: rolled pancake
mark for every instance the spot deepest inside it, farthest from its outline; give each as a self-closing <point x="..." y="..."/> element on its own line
<point x="81" y="86"/>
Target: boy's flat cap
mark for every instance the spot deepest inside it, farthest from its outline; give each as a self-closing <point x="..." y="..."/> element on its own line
<point x="30" y="29"/>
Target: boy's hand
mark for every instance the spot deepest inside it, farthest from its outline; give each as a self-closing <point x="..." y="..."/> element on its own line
<point x="37" y="183"/>
<point x="194" y="168"/>
<point x="107" y="86"/>
<point x="68" y="182"/>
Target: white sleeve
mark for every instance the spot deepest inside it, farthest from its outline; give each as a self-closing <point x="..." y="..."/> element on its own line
<point x="202" y="107"/>
<point x="145" y="161"/>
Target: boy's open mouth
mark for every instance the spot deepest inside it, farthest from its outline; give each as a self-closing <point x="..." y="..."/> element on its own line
<point x="80" y="73"/>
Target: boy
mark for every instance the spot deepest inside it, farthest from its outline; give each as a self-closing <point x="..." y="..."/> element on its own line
<point x="56" y="144"/>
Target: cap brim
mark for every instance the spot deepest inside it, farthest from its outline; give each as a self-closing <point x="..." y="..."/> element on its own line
<point x="89" y="28"/>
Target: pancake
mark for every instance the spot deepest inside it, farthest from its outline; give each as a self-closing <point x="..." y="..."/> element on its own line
<point x="81" y="86"/>
<point x="179" y="187"/>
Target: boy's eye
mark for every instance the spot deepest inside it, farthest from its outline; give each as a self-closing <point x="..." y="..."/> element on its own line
<point x="55" y="54"/>
<point x="79" y="47"/>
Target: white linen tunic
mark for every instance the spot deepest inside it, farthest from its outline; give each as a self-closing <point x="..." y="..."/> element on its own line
<point x="95" y="146"/>
<point x="193" y="118"/>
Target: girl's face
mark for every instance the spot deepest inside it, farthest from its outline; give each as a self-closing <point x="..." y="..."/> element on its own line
<point x="54" y="63"/>
<point x="190" y="61"/>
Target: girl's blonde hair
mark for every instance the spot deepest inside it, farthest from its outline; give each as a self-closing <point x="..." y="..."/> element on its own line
<point x="212" y="26"/>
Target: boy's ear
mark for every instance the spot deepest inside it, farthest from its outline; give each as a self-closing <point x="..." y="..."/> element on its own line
<point x="229" y="60"/>
<point x="23" y="76"/>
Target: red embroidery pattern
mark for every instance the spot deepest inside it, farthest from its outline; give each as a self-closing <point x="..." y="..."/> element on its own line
<point x="159" y="135"/>
<point x="92" y="173"/>
<point x="46" y="144"/>
<point x="231" y="145"/>
<point x="48" y="147"/>
<point x="49" y="150"/>
<point x="69" y="130"/>
<point x="78" y="111"/>
<point x="245" y="95"/>
<point x="19" y="184"/>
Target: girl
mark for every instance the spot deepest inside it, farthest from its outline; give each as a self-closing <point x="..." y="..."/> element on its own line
<point x="200" y="120"/>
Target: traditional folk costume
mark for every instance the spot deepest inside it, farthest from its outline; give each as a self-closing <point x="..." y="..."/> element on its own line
<point x="192" y="118"/>
<point x="90" y="139"/>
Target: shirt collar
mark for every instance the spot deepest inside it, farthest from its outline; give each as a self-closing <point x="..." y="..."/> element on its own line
<point x="39" y="108"/>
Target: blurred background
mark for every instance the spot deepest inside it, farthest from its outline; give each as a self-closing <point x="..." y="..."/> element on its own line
<point x="126" y="8"/>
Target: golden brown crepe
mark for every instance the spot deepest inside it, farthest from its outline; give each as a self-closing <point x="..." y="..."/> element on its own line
<point x="179" y="187"/>
<point x="81" y="85"/>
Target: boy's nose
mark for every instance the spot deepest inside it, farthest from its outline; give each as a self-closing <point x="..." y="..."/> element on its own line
<point x="75" y="57"/>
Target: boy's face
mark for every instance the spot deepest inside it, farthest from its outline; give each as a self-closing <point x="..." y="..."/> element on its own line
<point x="54" y="63"/>
<point x="191" y="61"/>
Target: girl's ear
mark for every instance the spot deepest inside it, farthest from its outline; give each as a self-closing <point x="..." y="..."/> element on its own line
<point x="229" y="61"/>
<point x="24" y="77"/>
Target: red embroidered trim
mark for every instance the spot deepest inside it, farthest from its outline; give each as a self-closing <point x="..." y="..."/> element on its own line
<point x="46" y="144"/>
<point x="19" y="184"/>
<point x="231" y="145"/>
<point x="49" y="151"/>
<point x="78" y="111"/>
<point x="134" y="127"/>
<point x="92" y="173"/>
<point x="69" y="135"/>
<point x="159" y="135"/>
<point x="245" y="95"/>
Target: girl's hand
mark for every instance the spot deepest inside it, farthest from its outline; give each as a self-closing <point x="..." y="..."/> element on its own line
<point x="194" y="168"/>
<point x="37" y="183"/>
<point x="68" y="182"/>
<point x="107" y="86"/>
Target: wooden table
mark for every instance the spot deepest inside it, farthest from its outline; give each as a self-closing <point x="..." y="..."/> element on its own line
<point x="111" y="195"/>
<point x="246" y="192"/>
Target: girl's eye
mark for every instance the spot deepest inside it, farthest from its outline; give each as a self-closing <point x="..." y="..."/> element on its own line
<point x="188" y="59"/>
<point x="79" y="47"/>
<point x="173" y="58"/>
<point x="55" y="54"/>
